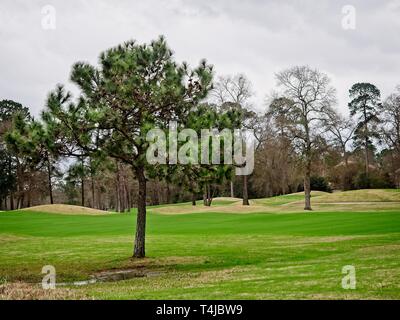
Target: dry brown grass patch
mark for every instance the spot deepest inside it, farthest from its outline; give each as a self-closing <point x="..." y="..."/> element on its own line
<point x="25" y="291"/>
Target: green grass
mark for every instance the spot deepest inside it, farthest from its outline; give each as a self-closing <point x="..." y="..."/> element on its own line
<point x="211" y="255"/>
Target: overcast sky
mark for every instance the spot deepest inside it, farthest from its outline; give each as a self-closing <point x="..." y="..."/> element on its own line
<point x="254" y="37"/>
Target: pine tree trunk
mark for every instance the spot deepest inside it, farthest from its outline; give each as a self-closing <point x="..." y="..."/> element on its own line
<point x="117" y="202"/>
<point x="11" y="201"/>
<point x="21" y="201"/>
<point x="366" y="158"/>
<point x="93" y="200"/>
<point x="168" y="194"/>
<point x="193" y="199"/>
<point x="139" y="249"/>
<point x="208" y="196"/>
<point x="82" y="192"/>
<point x="11" y="192"/>
<point x="49" y="181"/>
<point x="245" y="193"/>
<point x="20" y="188"/>
<point x="29" y="195"/>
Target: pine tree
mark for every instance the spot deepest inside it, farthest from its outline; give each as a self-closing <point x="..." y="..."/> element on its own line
<point x="9" y="110"/>
<point x="365" y="103"/>
<point x="135" y="88"/>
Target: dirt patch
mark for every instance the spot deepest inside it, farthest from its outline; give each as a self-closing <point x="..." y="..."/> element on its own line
<point x="25" y="291"/>
<point x="136" y="268"/>
<point x="124" y="274"/>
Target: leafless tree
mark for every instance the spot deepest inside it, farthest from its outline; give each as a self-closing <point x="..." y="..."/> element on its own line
<point x="309" y="95"/>
<point x="340" y="131"/>
<point x="230" y="90"/>
<point x="391" y="120"/>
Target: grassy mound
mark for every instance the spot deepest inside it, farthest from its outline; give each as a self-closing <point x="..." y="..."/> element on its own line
<point x="368" y="195"/>
<point x="64" y="209"/>
<point x="357" y="200"/>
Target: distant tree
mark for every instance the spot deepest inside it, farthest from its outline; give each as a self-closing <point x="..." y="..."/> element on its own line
<point x="339" y="133"/>
<point x="76" y="175"/>
<point x="389" y="133"/>
<point x="8" y="109"/>
<point x="365" y="104"/>
<point x="277" y="158"/>
<point x="199" y="177"/>
<point x="391" y="121"/>
<point x="212" y="175"/>
<point x="7" y="178"/>
<point x="233" y="93"/>
<point x="31" y="140"/>
<point x="340" y="130"/>
<point x="320" y="184"/>
<point x="136" y="88"/>
<point x="305" y="98"/>
<point x="10" y="165"/>
<point x="232" y="90"/>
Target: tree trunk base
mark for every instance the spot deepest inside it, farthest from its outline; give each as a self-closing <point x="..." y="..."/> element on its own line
<point x="139" y="246"/>
<point x="139" y="255"/>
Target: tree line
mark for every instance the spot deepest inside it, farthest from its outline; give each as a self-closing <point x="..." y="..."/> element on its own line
<point x="91" y="149"/>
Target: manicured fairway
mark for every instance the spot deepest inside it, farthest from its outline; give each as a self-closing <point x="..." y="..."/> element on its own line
<point x="210" y="255"/>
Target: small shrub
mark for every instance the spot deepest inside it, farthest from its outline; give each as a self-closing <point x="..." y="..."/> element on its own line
<point x="319" y="183"/>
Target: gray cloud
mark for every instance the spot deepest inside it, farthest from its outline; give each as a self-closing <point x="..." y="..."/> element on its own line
<point x="257" y="38"/>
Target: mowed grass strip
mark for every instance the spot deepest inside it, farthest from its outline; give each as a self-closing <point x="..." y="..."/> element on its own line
<point x="210" y="255"/>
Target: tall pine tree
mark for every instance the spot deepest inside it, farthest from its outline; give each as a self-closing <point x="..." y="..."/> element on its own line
<point x="135" y="88"/>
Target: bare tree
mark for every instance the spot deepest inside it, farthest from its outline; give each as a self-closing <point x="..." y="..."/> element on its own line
<point x="308" y="95"/>
<point x="391" y="121"/>
<point x="340" y="131"/>
<point x="230" y="90"/>
<point x="390" y="131"/>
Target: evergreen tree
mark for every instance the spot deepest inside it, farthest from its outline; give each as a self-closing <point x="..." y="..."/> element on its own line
<point x="135" y="88"/>
<point x="31" y="140"/>
<point x="8" y="161"/>
<point x="365" y="104"/>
